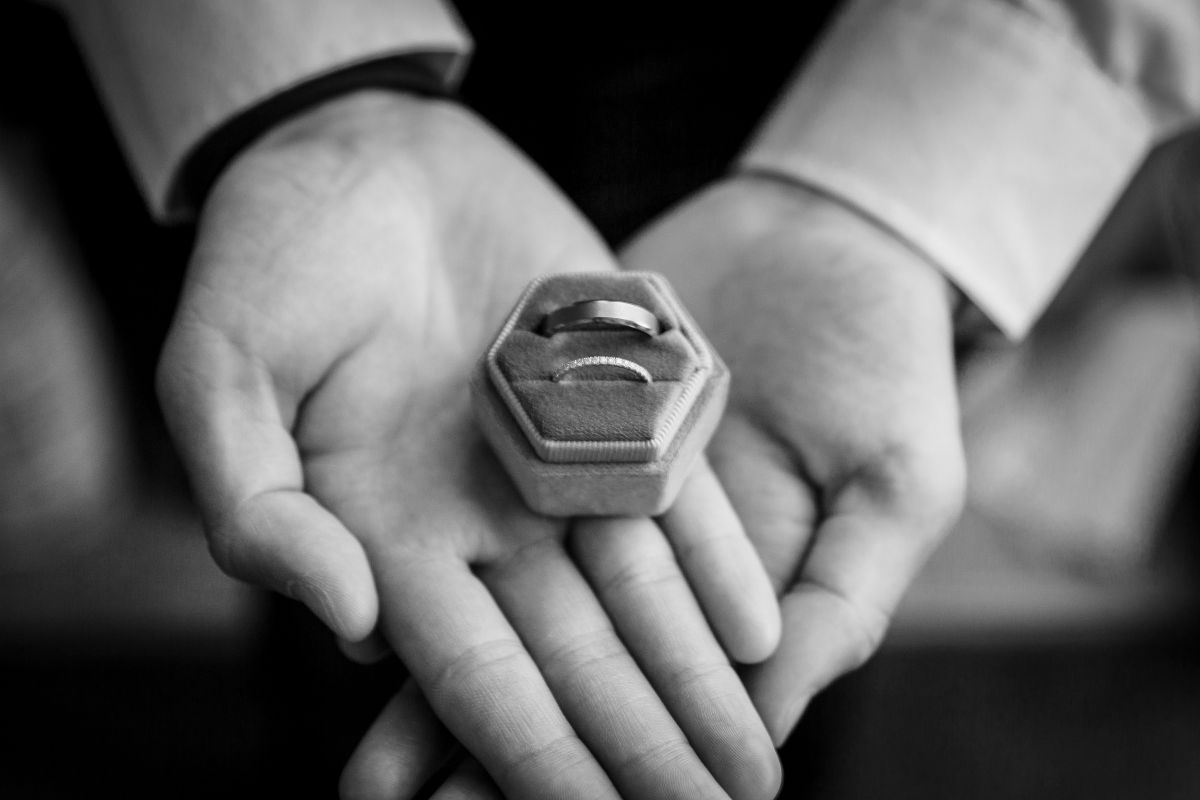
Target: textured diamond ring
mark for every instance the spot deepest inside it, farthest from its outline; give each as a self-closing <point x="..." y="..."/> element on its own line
<point x="602" y="361"/>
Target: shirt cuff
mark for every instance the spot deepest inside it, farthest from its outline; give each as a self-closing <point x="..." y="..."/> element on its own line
<point x="170" y="73"/>
<point x="984" y="137"/>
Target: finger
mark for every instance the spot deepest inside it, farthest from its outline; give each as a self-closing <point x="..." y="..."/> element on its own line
<point x="481" y="682"/>
<point x="639" y="583"/>
<point x="227" y="422"/>
<point x="597" y="682"/>
<point x="285" y="540"/>
<point x="863" y="557"/>
<point x="402" y="749"/>
<point x="769" y="494"/>
<point x="370" y="650"/>
<point x="723" y="568"/>
<point x="468" y="781"/>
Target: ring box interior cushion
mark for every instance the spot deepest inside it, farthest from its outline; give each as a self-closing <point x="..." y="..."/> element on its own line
<point x="599" y="440"/>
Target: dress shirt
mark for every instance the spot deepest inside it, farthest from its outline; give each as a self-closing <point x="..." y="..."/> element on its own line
<point x="992" y="135"/>
<point x="171" y="71"/>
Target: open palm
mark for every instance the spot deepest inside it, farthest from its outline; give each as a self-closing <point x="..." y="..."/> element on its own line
<point x="349" y="270"/>
<point x="840" y="448"/>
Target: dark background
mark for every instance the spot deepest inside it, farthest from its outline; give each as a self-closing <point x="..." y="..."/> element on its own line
<point x="241" y="694"/>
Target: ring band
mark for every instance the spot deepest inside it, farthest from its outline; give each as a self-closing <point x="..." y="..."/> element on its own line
<point x="601" y="314"/>
<point x="603" y="361"/>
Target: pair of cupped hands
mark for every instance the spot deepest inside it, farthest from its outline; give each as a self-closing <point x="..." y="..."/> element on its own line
<point x="351" y="266"/>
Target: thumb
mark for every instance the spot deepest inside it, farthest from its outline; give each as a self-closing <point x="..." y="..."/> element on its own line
<point x="227" y="422"/>
<point x="864" y="553"/>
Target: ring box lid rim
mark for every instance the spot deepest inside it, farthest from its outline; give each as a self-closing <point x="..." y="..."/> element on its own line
<point x="602" y="451"/>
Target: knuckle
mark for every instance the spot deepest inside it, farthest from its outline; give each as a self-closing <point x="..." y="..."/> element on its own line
<point x="583" y="654"/>
<point x="557" y="759"/>
<point x="699" y="679"/>
<point x="480" y="670"/>
<point x="639" y="575"/>
<point x="924" y="483"/>
<point x="714" y="548"/>
<point x="662" y="758"/>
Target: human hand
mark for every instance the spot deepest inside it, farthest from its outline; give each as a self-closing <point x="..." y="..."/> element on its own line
<point x="840" y="448"/>
<point x="349" y="269"/>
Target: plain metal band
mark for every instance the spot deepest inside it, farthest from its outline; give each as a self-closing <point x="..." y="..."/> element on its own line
<point x="601" y="314"/>
<point x="603" y="361"/>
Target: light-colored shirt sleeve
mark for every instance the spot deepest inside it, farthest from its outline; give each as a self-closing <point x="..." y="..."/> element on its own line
<point x="171" y="71"/>
<point x="994" y="136"/>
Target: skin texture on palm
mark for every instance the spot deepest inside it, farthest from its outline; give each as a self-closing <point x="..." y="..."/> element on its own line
<point x="840" y="448"/>
<point x="349" y="269"/>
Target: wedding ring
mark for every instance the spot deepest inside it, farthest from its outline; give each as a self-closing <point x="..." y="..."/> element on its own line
<point x="602" y="361"/>
<point x="601" y="315"/>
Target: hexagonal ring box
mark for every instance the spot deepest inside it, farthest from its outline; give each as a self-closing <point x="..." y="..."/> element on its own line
<point x="605" y="418"/>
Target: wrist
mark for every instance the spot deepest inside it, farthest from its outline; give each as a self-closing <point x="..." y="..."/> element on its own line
<point x="826" y="217"/>
<point x="376" y="137"/>
<point x="212" y="155"/>
<point x="346" y="121"/>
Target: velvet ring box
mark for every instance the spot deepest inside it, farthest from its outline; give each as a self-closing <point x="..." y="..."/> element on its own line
<point x="605" y="441"/>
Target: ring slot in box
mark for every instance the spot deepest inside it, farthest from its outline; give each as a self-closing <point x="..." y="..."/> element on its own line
<point x="602" y="419"/>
